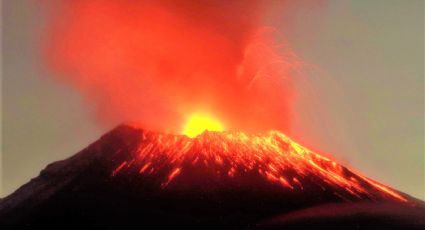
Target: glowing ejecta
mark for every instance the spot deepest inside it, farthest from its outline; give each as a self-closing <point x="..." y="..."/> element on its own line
<point x="238" y="158"/>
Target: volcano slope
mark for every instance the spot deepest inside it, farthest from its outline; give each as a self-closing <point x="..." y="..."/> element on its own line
<point x="131" y="178"/>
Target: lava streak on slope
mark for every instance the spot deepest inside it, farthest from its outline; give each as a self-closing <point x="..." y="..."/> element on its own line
<point x="214" y="160"/>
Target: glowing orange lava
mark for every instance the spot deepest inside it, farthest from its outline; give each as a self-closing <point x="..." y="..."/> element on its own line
<point x="237" y="156"/>
<point x="198" y="123"/>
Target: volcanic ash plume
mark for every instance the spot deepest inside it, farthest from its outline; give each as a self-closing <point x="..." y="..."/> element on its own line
<point x="157" y="62"/>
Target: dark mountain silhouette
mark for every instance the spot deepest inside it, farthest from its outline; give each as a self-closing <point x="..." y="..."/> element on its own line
<point x="131" y="178"/>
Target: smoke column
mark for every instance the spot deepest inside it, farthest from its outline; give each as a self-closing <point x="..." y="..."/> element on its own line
<point x="156" y="62"/>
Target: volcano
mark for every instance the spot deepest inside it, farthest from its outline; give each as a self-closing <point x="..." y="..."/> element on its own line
<point x="132" y="178"/>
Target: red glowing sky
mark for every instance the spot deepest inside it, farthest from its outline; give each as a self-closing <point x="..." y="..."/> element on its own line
<point x="157" y="62"/>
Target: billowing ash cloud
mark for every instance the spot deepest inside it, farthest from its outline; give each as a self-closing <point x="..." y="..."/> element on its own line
<point x="157" y="62"/>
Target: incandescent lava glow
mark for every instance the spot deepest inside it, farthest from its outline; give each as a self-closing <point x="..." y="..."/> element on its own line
<point x="198" y="123"/>
<point x="237" y="159"/>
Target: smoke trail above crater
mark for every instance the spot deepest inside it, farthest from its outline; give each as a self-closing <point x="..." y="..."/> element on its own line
<point x="157" y="62"/>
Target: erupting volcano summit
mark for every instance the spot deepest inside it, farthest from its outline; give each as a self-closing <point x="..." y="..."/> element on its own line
<point x="215" y="160"/>
<point x="216" y="180"/>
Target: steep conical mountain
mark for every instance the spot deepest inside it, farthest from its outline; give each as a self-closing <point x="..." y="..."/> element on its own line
<point x="231" y="180"/>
